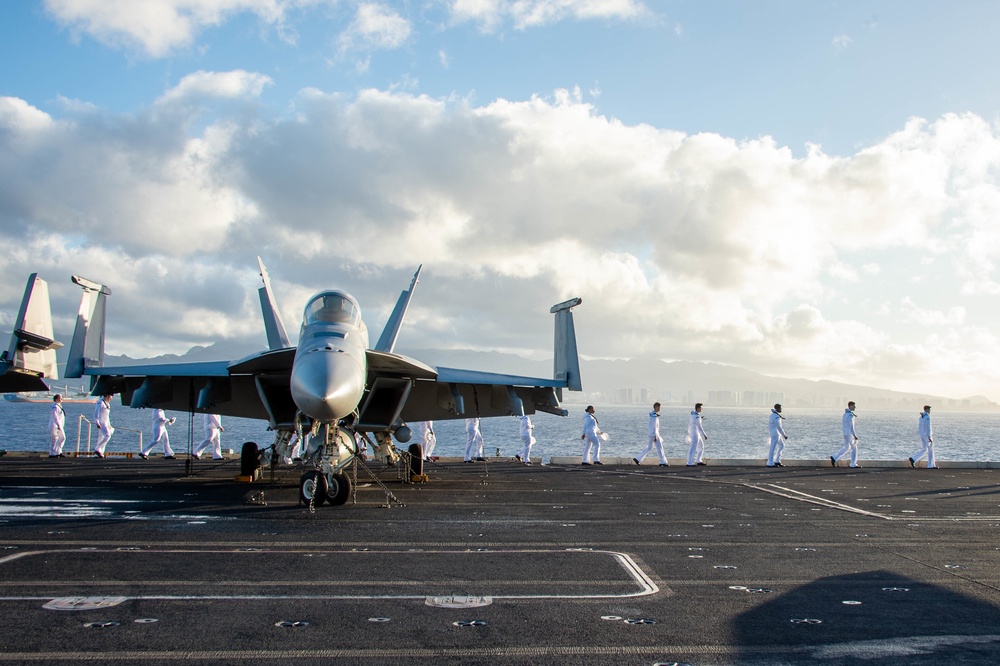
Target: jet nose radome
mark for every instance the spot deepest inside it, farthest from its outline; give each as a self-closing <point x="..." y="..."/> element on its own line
<point x="326" y="384"/>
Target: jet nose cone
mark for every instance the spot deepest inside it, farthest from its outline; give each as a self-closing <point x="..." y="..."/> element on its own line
<point x="327" y="385"/>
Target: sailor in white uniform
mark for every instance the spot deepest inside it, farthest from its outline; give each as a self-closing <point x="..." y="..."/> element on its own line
<point x="424" y="430"/>
<point x="475" y="441"/>
<point x="850" y="438"/>
<point x="160" y="423"/>
<point x="655" y="441"/>
<point x="102" y="420"/>
<point x="778" y="437"/>
<point x="592" y="438"/>
<point x="926" y="440"/>
<point x="527" y="439"/>
<point x="57" y="427"/>
<point x="213" y="437"/>
<point x="696" y="437"/>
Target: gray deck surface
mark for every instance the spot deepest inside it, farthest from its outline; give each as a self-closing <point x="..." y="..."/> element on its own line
<point x="598" y="565"/>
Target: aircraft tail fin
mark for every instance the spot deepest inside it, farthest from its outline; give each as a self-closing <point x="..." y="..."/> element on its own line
<point x="87" y="348"/>
<point x="32" y="352"/>
<point x="567" y="361"/>
<point x="387" y="341"/>
<point x="277" y="338"/>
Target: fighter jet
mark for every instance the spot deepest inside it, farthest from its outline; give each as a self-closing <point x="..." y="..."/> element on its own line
<point x="31" y="356"/>
<point x="330" y="384"/>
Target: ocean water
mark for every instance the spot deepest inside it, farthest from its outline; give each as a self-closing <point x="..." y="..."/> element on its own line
<point x="732" y="432"/>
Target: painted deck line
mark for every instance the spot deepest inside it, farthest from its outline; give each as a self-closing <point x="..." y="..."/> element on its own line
<point x="633" y="571"/>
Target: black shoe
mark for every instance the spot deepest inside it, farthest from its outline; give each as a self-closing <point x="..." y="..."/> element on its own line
<point x="833" y="461"/>
<point x="913" y="463"/>
<point x="98" y="454"/>
<point x="664" y="465"/>
<point x="480" y="459"/>
<point x="636" y="461"/>
<point x="702" y="464"/>
<point x="598" y="462"/>
<point x="778" y="464"/>
<point x="144" y="456"/>
<point x="584" y="463"/>
<point x="170" y="457"/>
<point x="692" y="465"/>
<point x="56" y="456"/>
<point x="468" y="461"/>
<point x="517" y="457"/>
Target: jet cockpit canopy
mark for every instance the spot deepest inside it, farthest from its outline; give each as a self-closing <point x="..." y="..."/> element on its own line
<point x="332" y="307"/>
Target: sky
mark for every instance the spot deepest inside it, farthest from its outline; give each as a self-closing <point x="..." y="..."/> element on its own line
<point x="805" y="189"/>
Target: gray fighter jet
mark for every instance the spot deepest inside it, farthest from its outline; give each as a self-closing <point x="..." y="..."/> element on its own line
<point x="331" y="384"/>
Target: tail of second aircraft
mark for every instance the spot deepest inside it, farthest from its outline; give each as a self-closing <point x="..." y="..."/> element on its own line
<point x="566" y="364"/>
<point x="32" y="352"/>
<point x="87" y="348"/>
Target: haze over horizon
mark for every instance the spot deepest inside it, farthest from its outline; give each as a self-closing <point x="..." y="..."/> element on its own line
<point x="800" y="189"/>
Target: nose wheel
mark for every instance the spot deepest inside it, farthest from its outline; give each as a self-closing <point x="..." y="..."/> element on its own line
<point x="317" y="488"/>
<point x="312" y="488"/>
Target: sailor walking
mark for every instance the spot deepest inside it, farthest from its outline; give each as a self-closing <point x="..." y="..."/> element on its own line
<point x="592" y="438"/>
<point x="926" y="440"/>
<point x="102" y="419"/>
<point x="475" y="441"/>
<point x="213" y="437"/>
<point x="696" y="437"/>
<point x="655" y="441"/>
<point x="57" y="427"/>
<point x="160" y="423"/>
<point x="424" y="430"/>
<point x="778" y="437"/>
<point x="527" y="439"/>
<point x="850" y="438"/>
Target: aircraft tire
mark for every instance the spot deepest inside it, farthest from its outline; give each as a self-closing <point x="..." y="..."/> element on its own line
<point x="312" y="487"/>
<point x="338" y="489"/>
<point x="249" y="459"/>
<point x="416" y="459"/>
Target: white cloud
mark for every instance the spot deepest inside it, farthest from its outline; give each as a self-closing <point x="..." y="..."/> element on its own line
<point x="841" y="42"/>
<point x="911" y="313"/>
<point x="375" y="26"/>
<point x="158" y="27"/>
<point x="523" y="14"/>
<point x="200" y="86"/>
<point x="689" y="246"/>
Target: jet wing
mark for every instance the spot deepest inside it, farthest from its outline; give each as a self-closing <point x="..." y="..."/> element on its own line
<point x="228" y="388"/>
<point x="459" y="394"/>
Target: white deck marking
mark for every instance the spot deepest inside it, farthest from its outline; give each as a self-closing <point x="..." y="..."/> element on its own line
<point x="634" y="574"/>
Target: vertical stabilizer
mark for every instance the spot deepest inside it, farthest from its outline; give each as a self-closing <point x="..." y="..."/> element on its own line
<point x="32" y="352"/>
<point x="87" y="348"/>
<point x="275" y="329"/>
<point x="387" y="341"/>
<point x="567" y="361"/>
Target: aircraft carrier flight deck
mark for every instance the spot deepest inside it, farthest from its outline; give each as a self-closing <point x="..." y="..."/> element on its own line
<point x="158" y="561"/>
